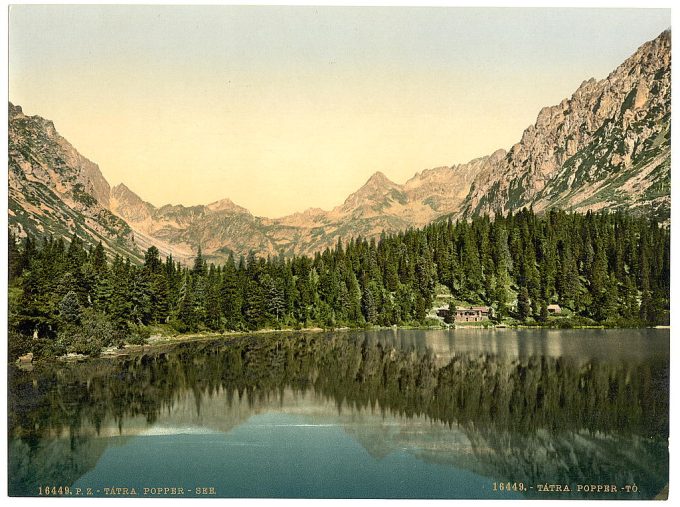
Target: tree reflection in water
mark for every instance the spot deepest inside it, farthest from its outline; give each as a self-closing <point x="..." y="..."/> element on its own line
<point x="532" y="419"/>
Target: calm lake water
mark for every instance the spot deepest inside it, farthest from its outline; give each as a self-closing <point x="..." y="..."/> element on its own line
<point x="382" y="414"/>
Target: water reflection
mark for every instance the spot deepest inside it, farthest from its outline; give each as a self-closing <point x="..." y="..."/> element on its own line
<point x="577" y="344"/>
<point x="472" y="407"/>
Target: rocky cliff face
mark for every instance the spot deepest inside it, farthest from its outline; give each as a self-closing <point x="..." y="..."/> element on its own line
<point x="54" y="190"/>
<point x="607" y="146"/>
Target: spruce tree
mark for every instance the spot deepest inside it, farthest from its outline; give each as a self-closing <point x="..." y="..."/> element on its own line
<point x="523" y="304"/>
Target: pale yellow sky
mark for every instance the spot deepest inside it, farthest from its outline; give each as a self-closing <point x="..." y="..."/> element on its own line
<point x="284" y="108"/>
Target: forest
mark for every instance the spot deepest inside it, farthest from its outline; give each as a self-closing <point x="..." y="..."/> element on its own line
<point x="603" y="268"/>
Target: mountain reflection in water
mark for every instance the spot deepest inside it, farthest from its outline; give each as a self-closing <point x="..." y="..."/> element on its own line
<point x="446" y="413"/>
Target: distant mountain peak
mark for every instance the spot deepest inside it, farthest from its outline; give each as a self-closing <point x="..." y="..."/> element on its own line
<point x="379" y="178"/>
<point x="226" y="205"/>
<point x="377" y="185"/>
<point x="122" y="193"/>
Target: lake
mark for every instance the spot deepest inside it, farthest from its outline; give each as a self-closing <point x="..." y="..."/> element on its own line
<point x="369" y="414"/>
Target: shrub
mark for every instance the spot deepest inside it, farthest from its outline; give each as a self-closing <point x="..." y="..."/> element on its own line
<point x="178" y="326"/>
<point x="48" y="347"/>
<point x="94" y="332"/>
<point x="430" y="322"/>
<point x="86" y="345"/>
<point x="19" y="344"/>
<point x="136" y="339"/>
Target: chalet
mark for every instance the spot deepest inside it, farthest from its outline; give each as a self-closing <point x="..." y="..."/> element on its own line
<point x="554" y="309"/>
<point x="472" y="313"/>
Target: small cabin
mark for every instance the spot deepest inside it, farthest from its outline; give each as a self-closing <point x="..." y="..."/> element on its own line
<point x="554" y="309"/>
<point x="472" y="313"/>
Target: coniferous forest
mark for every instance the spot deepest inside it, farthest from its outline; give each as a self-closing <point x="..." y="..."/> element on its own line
<point x="602" y="268"/>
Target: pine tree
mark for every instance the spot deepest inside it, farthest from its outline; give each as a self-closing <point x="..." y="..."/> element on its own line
<point x="98" y="259"/>
<point x="369" y="304"/>
<point x="69" y="308"/>
<point x="119" y="305"/>
<point x="213" y="310"/>
<point x="253" y="307"/>
<point x="186" y="311"/>
<point x="630" y="308"/>
<point x="152" y="260"/>
<point x="140" y="297"/>
<point x="199" y="264"/>
<point x="599" y="284"/>
<point x="275" y="299"/>
<point x="523" y="304"/>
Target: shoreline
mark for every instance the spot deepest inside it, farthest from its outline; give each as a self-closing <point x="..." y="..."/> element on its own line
<point x="158" y="341"/>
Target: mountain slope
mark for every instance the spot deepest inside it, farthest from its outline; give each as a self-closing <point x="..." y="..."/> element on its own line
<point x="608" y="146"/>
<point x="54" y="190"/>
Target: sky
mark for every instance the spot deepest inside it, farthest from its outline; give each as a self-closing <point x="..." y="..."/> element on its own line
<point x="285" y="108"/>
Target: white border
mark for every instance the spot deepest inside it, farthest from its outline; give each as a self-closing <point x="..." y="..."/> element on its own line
<point x="675" y="244"/>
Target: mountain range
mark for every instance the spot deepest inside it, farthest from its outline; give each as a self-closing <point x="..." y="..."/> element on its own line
<point x="605" y="147"/>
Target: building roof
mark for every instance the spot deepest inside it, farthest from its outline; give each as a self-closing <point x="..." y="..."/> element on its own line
<point x="553" y="307"/>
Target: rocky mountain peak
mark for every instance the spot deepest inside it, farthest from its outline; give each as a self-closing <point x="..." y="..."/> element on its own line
<point x="572" y="157"/>
<point x="122" y="196"/>
<point x="378" y="178"/>
<point x="226" y="205"/>
<point x="122" y="190"/>
<point x="15" y="111"/>
<point x="375" y="194"/>
<point x="129" y="206"/>
<point x="377" y="185"/>
<point x="54" y="161"/>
